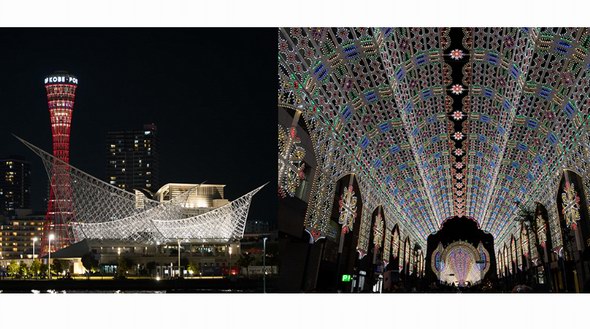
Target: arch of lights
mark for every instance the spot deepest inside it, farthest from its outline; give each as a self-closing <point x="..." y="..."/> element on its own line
<point x="382" y="103"/>
<point x="460" y="262"/>
<point x="103" y="211"/>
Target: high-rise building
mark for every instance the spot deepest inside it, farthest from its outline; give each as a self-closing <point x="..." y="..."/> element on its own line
<point x="132" y="159"/>
<point x="15" y="184"/>
<point x="61" y="92"/>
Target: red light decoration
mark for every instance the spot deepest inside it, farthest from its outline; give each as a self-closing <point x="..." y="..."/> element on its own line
<point x="61" y="92"/>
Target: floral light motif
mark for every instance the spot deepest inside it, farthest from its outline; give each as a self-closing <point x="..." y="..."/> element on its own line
<point x="291" y="165"/>
<point x="347" y="210"/>
<point x="315" y="234"/>
<point x="378" y="231"/>
<point x="457" y="54"/>
<point x="458" y="135"/>
<point x="457" y="115"/>
<point x="571" y="205"/>
<point x="457" y="89"/>
<point x="509" y="41"/>
<point x="541" y="230"/>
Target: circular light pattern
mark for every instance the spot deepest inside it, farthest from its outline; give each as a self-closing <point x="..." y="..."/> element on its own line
<point x="457" y="115"/>
<point x="457" y="89"/>
<point x="459" y="165"/>
<point x="457" y="54"/>
<point x="458" y="135"/>
<point x="458" y="152"/>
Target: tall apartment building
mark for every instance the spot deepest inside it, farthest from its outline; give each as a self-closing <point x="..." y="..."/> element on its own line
<point x="15" y="184"/>
<point x="132" y="159"/>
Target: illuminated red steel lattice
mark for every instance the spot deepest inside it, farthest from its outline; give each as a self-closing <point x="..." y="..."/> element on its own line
<point x="61" y="92"/>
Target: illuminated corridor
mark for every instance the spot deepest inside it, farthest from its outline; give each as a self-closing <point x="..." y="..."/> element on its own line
<point x="387" y="133"/>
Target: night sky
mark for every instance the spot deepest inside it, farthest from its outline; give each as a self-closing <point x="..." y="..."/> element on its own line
<point x="211" y="93"/>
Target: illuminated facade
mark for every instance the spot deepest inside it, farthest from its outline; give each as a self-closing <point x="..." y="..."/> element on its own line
<point x="17" y="234"/>
<point x="132" y="159"/>
<point x="15" y="184"/>
<point x="200" y="198"/>
<point x="61" y="93"/>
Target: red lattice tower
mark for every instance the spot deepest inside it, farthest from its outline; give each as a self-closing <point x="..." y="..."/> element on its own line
<point x="61" y="92"/>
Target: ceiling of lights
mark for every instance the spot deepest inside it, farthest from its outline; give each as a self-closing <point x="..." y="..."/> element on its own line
<point x="446" y="122"/>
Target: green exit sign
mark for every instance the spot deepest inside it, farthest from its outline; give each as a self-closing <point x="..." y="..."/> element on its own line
<point x="346" y="277"/>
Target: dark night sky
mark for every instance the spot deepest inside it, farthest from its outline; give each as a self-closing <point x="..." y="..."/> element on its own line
<point x="211" y="92"/>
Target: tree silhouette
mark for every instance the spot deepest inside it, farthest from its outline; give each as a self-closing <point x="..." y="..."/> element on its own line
<point x="90" y="262"/>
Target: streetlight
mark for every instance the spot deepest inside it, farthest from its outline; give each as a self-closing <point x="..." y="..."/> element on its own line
<point x="229" y="272"/>
<point x="51" y="237"/>
<point x="178" y="258"/>
<point x="118" y="262"/>
<point x="264" y="265"/>
<point x="34" y="240"/>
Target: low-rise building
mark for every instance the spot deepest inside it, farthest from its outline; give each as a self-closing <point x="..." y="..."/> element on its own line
<point x="17" y="234"/>
<point x="201" y="198"/>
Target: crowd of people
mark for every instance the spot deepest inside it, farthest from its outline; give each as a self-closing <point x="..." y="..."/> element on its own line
<point x="444" y="287"/>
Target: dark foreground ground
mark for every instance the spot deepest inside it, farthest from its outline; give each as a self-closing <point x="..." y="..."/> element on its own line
<point x="138" y="286"/>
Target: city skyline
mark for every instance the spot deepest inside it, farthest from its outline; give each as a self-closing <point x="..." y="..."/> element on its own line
<point x="136" y="76"/>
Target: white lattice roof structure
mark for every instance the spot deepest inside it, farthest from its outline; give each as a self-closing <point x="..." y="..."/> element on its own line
<point x="103" y="211"/>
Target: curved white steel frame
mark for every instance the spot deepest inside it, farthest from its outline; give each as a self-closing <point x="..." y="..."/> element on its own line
<point x="103" y="211"/>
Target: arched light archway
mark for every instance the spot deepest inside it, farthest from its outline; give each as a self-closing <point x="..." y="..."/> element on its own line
<point x="513" y="256"/>
<point x="507" y="261"/>
<point x="572" y="210"/>
<point x="543" y="234"/>
<point x="407" y="254"/>
<point x="525" y="247"/>
<point x="395" y="248"/>
<point x="371" y="264"/>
